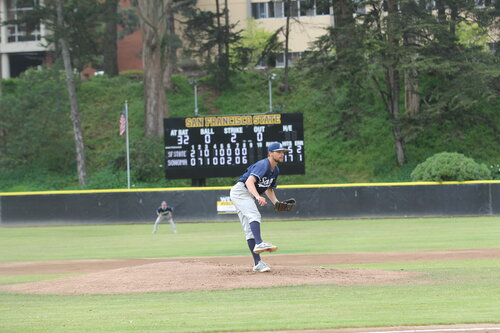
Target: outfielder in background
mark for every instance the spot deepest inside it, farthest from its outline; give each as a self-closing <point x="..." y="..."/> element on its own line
<point x="164" y="213"/>
<point x="258" y="179"/>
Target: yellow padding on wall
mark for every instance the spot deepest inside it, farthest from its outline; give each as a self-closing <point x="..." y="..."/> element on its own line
<point x="229" y="187"/>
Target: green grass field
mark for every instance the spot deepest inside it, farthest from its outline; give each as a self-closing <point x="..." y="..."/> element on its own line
<point x="449" y="292"/>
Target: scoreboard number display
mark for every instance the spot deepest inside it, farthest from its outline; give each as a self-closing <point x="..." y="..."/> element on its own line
<point x="224" y="146"/>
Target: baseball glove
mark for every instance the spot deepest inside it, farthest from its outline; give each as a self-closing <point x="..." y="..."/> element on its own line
<point x="285" y="206"/>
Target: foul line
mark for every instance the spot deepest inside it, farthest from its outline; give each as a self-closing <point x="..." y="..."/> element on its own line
<point x="440" y="330"/>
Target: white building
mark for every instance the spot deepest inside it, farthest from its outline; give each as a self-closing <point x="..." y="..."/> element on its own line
<point x="309" y="20"/>
<point x="19" y="49"/>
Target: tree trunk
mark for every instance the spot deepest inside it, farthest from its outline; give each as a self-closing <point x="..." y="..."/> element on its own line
<point x="219" y="28"/>
<point x="75" y="112"/>
<point x="441" y="11"/>
<point x="400" y="147"/>
<point x="344" y="25"/>
<point x="393" y="87"/>
<point x="286" y="85"/>
<point x="154" y="92"/>
<point x="170" y="57"/>
<point x="226" y="35"/>
<point x="223" y="57"/>
<point x="393" y="78"/>
<point x="412" y="98"/>
<point x="453" y="19"/>
<point x="110" y="65"/>
<point x="153" y="29"/>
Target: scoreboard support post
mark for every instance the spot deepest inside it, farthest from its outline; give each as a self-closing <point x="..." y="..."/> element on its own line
<point x="198" y="182"/>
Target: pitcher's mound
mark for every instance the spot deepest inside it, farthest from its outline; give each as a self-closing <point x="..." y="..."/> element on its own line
<point x="198" y="275"/>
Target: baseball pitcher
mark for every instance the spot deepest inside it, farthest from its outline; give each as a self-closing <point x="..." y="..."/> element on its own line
<point x="260" y="178"/>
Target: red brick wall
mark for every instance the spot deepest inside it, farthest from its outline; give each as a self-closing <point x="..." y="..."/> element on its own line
<point x="129" y="48"/>
<point x="129" y="52"/>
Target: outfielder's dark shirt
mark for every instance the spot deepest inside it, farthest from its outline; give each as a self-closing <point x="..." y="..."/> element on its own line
<point x="266" y="178"/>
<point x="165" y="211"/>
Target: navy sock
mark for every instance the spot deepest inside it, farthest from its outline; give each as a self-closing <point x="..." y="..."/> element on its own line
<point x="251" y="245"/>
<point x="255" y="227"/>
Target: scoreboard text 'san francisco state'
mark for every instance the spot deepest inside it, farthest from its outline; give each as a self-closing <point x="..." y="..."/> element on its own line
<point x="224" y="146"/>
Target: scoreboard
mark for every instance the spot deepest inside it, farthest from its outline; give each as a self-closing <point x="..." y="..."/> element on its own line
<point x="224" y="146"/>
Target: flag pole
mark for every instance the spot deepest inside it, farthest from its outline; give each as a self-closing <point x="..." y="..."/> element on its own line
<point x="128" y="151"/>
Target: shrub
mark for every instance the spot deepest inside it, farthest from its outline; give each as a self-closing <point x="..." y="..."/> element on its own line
<point x="450" y="167"/>
<point x="148" y="156"/>
<point x="106" y="178"/>
<point x="135" y="75"/>
<point x="34" y="122"/>
<point x="147" y="159"/>
<point x="495" y="171"/>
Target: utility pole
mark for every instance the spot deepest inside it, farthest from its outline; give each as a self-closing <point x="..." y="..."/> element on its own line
<point x="270" y="78"/>
<point x="194" y="83"/>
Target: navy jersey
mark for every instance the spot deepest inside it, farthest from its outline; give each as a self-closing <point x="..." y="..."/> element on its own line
<point x="266" y="178"/>
<point x="163" y="212"/>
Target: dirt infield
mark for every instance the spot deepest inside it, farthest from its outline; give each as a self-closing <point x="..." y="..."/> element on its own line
<point x="210" y="273"/>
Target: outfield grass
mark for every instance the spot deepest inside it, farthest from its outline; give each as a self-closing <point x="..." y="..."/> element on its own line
<point x="449" y="292"/>
<point x="223" y="239"/>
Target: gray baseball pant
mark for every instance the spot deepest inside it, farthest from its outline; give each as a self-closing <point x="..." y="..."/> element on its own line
<point x="246" y="207"/>
<point x="163" y="219"/>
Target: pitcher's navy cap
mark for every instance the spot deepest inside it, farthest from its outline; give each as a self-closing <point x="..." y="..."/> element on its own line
<point x="276" y="146"/>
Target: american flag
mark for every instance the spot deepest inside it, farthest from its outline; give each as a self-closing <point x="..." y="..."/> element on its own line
<point x="123" y="123"/>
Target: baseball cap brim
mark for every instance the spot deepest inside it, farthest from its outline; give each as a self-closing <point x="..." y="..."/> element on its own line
<point x="276" y="146"/>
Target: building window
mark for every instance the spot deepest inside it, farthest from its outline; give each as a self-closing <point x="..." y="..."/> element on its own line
<point x="259" y="10"/>
<point x="262" y="63"/>
<point x="483" y="3"/>
<point x="278" y="59"/>
<point x="292" y="57"/>
<point x="16" y="10"/>
<point x="275" y="9"/>
<point x="278" y="9"/>
<point x="493" y="47"/>
<point x="307" y="8"/>
<point x="322" y="7"/>
<point x="292" y="8"/>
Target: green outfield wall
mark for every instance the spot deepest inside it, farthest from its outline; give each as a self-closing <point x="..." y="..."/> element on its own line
<point x="211" y="204"/>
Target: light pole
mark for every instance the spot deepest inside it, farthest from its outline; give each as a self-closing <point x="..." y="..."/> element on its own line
<point x="194" y="83"/>
<point x="270" y="78"/>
